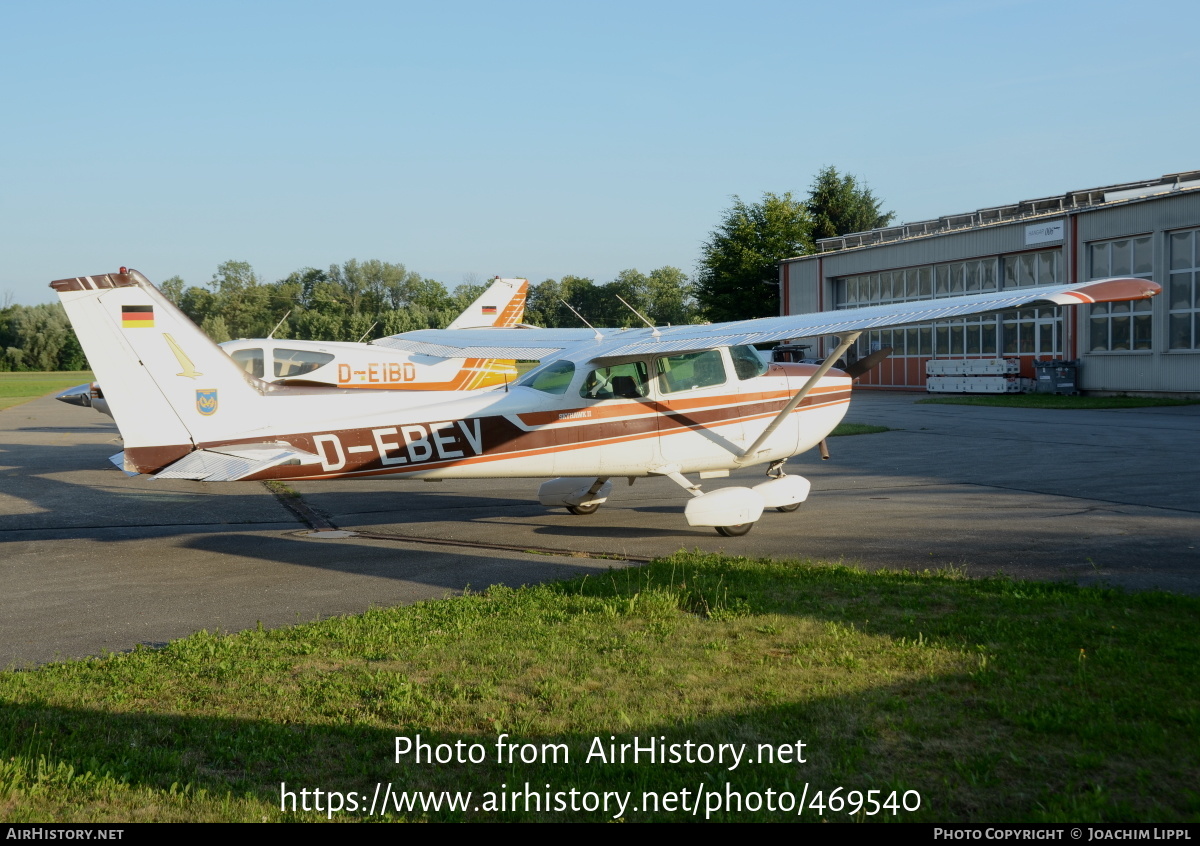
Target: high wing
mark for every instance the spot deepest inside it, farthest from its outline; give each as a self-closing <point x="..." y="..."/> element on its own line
<point x="529" y="343"/>
<point x="609" y="344"/>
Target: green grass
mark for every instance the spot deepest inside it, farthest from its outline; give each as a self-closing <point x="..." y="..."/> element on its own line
<point x="1056" y="401"/>
<point x="16" y="388"/>
<point x="996" y="700"/>
<point x="857" y="429"/>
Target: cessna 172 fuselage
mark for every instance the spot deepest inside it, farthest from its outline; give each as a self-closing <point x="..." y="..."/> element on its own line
<point x="603" y="405"/>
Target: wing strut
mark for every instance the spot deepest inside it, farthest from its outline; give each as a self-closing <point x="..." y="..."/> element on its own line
<point x="848" y="339"/>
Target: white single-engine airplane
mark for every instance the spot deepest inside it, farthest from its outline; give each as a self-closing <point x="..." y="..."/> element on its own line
<point x="603" y="404"/>
<point x="370" y="366"/>
<point x="374" y="367"/>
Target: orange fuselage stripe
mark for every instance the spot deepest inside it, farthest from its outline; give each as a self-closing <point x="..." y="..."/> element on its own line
<point x="481" y="459"/>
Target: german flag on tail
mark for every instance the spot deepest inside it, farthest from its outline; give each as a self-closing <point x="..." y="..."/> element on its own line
<point x="137" y="317"/>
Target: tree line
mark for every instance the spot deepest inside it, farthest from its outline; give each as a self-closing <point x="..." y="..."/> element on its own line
<point x="352" y="301"/>
<point x="736" y="278"/>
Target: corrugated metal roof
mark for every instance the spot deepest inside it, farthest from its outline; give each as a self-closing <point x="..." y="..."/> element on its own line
<point x="1024" y="210"/>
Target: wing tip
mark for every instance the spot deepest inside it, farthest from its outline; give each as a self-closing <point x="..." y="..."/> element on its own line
<point x="1115" y="289"/>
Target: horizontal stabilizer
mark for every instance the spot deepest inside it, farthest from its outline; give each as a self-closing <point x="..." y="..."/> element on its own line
<point x="118" y="461"/>
<point x="230" y="463"/>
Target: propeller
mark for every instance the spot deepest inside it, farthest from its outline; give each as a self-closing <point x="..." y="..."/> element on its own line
<point x="866" y="365"/>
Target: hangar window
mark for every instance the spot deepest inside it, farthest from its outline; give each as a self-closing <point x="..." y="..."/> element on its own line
<point x="1026" y="270"/>
<point x="924" y="282"/>
<point x="965" y="336"/>
<point x="917" y="283"/>
<point x="970" y="336"/>
<point x="1033" y="331"/>
<point x="1121" y="327"/>
<point x="1183" y="291"/>
<point x="1036" y="331"/>
<point x="961" y="337"/>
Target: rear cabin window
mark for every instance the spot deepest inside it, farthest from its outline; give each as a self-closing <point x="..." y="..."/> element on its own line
<point x="621" y="381"/>
<point x="551" y="379"/>
<point x="690" y="371"/>
<point x="292" y="363"/>
<point x="249" y="360"/>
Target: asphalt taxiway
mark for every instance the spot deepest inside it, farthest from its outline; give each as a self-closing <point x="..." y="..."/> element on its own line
<point x="93" y="560"/>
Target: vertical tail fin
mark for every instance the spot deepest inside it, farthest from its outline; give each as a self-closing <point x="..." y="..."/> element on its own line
<point x="502" y="304"/>
<point x="168" y="386"/>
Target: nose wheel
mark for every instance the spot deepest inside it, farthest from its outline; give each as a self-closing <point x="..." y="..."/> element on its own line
<point x="584" y="509"/>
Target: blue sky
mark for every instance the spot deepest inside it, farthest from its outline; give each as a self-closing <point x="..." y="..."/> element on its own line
<point x="468" y="139"/>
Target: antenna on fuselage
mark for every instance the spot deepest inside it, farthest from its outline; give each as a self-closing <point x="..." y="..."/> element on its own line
<point x="653" y="329"/>
<point x="271" y="334"/>
<point x="599" y="337"/>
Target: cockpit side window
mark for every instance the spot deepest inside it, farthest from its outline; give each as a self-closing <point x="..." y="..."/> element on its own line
<point x="249" y="360"/>
<point x="621" y="381"/>
<point x="553" y="378"/>
<point x="690" y="371"/>
<point x="747" y="363"/>
<point x="293" y="363"/>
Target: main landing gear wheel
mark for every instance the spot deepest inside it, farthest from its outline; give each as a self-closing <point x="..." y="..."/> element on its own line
<point x="584" y="509"/>
<point x="787" y="508"/>
<point x="734" y="531"/>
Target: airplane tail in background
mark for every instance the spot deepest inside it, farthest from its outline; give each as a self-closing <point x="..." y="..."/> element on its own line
<point x="501" y="305"/>
<point x="169" y="387"/>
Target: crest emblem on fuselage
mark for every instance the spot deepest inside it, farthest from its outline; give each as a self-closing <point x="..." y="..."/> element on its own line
<point x="206" y="401"/>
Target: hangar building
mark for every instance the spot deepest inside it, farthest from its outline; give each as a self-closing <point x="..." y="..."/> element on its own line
<point x="1149" y="229"/>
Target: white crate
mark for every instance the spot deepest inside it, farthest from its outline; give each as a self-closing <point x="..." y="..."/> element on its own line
<point x="976" y="385"/>
<point x="944" y="385"/>
<point x="972" y="367"/>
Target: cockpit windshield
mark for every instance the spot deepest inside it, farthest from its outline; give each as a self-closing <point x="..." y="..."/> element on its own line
<point x="552" y="378"/>
<point x="747" y="363"/>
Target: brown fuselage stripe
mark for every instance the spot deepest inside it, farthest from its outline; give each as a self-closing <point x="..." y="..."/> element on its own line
<point x="525" y="450"/>
<point x="501" y="439"/>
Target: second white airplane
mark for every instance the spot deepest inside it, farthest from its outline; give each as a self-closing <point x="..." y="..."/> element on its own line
<point x="369" y="366"/>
